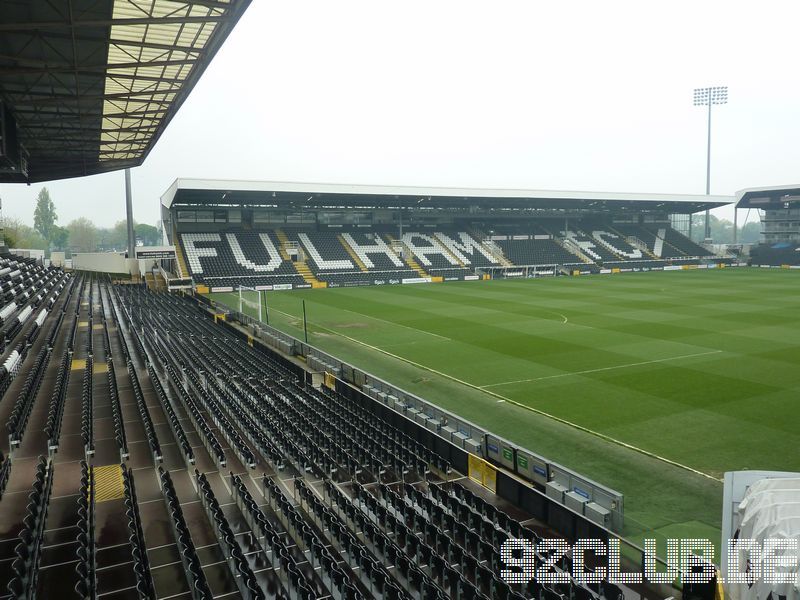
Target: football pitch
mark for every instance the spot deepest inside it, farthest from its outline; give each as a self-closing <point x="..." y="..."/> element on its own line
<point x="654" y="384"/>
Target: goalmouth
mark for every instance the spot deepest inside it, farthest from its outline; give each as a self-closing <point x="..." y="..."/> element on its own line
<point x="254" y="300"/>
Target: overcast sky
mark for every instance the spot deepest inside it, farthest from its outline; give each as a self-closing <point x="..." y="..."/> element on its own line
<point x="541" y="95"/>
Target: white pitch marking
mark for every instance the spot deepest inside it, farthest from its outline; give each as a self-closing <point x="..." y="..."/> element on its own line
<point x="393" y="323"/>
<point x="647" y="362"/>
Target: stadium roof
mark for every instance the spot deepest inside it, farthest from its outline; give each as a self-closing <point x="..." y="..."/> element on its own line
<point x="94" y="83"/>
<point x="779" y="196"/>
<point x="293" y="194"/>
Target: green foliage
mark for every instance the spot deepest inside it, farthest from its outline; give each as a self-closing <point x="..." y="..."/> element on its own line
<point x="19" y="235"/>
<point x="722" y="230"/>
<point x="59" y="237"/>
<point x="116" y="237"/>
<point x="148" y="234"/>
<point x="750" y="233"/>
<point x="44" y="217"/>
<point x="82" y="235"/>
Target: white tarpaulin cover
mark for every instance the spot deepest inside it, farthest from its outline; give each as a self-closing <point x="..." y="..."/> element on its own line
<point x="769" y="510"/>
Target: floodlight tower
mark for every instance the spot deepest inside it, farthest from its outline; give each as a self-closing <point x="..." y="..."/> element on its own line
<point x="706" y="97"/>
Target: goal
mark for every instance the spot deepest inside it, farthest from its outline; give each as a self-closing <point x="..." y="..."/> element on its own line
<point x="251" y="302"/>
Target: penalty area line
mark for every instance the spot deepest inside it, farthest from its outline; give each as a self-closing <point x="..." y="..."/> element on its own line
<point x="636" y="364"/>
<point x="441" y="337"/>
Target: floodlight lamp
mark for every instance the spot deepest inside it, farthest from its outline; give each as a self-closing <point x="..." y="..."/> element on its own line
<point x="701" y="96"/>
<point x="719" y="95"/>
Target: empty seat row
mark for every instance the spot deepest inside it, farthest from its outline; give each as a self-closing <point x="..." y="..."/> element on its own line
<point x="240" y="569"/>
<point x="174" y="423"/>
<point x="186" y="548"/>
<point x="27" y="553"/>
<point x="270" y="539"/>
<point x="141" y="563"/>
<point x="533" y="252"/>
<point x="87" y="406"/>
<point x="18" y="420"/>
<point x="144" y="413"/>
<point x="116" y="407"/>
<point x="55" y="412"/>
<point x="86" y="567"/>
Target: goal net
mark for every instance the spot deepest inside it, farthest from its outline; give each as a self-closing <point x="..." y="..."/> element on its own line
<point x="251" y="302"/>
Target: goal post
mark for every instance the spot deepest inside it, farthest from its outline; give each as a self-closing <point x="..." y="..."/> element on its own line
<point x="251" y="301"/>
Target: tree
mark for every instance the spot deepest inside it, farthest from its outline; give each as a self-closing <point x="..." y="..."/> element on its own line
<point x="19" y="235"/>
<point x="119" y="235"/>
<point x="148" y="234"/>
<point x="44" y="217"/>
<point x="750" y="233"/>
<point x="10" y="232"/>
<point x="59" y="237"/>
<point x="82" y="235"/>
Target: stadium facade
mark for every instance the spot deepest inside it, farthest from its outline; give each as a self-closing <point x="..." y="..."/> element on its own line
<point x="779" y="208"/>
<point x="269" y="235"/>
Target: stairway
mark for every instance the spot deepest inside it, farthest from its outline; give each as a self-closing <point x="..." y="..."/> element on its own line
<point x="573" y="248"/>
<point x="602" y="244"/>
<point x="658" y="245"/>
<point x="353" y="256"/>
<point x="409" y="257"/>
<point x="302" y="268"/>
<point x="661" y="242"/>
<point x="636" y="243"/>
<point x="284" y="242"/>
<point x="449" y="253"/>
<point x="183" y="271"/>
<point x="495" y="250"/>
<point x="299" y="265"/>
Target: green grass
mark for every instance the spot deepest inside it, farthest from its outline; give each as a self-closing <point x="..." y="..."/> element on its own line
<point x="697" y="367"/>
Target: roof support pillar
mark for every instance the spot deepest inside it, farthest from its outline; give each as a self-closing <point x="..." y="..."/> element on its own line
<point x="129" y="215"/>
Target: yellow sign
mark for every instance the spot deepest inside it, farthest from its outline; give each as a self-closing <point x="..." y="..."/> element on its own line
<point x="100" y="367"/>
<point x="108" y="483"/>
<point x="482" y="472"/>
<point x="330" y="380"/>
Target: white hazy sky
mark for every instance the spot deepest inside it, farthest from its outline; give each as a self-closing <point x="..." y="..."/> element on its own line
<point x="543" y="95"/>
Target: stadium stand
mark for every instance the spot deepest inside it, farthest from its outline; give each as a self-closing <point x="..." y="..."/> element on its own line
<point x="157" y="455"/>
<point x="781" y="253"/>
<point x="682" y="243"/>
<point x="373" y="252"/>
<point x="466" y="249"/>
<point x="604" y="237"/>
<point x="534" y="252"/>
<point x="238" y="258"/>
<point x="373" y="256"/>
<point x="430" y="252"/>
<point x="655" y="240"/>
<point x="440" y="539"/>
<point x="589" y="246"/>
<point x="325" y="252"/>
